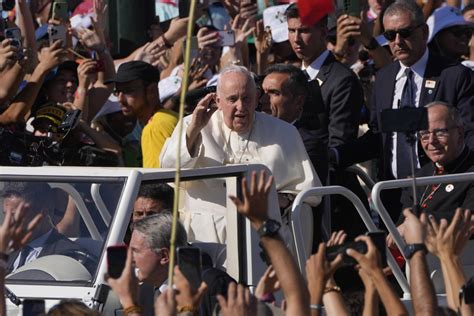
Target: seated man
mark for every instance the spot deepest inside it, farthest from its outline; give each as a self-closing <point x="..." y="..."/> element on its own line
<point x="46" y="240"/>
<point x="150" y="246"/>
<point x="153" y="198"/>
<point x="231" y="132"/>
<point x="444" y="145"/>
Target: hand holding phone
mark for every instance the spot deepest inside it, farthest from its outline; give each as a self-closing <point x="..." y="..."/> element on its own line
<point x="189" y="262"/>
<point x="116" y="258"/>
<point x="57" y="32"/>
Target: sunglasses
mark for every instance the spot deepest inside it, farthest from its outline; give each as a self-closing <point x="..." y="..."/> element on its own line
<point x="404" y="33"/>
<point x="460" y="31"/>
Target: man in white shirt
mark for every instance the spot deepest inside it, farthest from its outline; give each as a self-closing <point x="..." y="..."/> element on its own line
<point x="229" y="131"/>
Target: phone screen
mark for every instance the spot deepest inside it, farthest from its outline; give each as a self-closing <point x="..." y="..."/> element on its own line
<point x="378" y="238"/>
<point x="189" y="262"/>
<point x="183" y="7"/>
<point x="116" y="257"/>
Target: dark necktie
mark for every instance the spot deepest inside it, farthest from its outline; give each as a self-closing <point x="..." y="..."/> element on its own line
<point x="403" y="148"/>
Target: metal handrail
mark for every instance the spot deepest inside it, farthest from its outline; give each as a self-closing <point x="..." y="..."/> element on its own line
<point x="395" y="184"/>
<point x="358" y="171"/>
<point x="298" y="237"/>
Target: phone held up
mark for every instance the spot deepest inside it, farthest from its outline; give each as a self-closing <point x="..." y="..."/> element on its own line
<point x="190" y="264"/>
<point x="116" y="258"/>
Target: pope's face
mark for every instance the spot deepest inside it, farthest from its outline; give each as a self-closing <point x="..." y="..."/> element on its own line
<point x="237" y="99"/>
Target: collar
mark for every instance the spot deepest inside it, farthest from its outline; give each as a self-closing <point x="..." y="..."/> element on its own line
<point x="315" y="66"/>
<point x="456" y="163"/>
<point x="41" y="240"/>
<point x="418" y="67"/>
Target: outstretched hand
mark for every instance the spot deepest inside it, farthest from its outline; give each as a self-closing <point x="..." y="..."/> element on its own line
<point x="255" y="203"/>
<point x="15" y="232"/>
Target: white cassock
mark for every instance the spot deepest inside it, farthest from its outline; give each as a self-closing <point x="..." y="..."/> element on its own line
<point x="271" y="142"/>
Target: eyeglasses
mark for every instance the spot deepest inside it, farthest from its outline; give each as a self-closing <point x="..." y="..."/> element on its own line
<point x="404" y="33"/>
<point x="439" y="133"/>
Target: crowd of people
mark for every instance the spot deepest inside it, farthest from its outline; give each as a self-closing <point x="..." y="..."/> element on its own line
<point x="305" y="99"/>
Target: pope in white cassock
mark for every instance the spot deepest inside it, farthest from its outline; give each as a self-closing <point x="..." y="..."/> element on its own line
<point x="231" y="132"/>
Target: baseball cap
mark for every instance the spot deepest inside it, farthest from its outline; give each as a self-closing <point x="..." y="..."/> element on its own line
<point x="134" y="70"/>
<point x="49" y="117"/>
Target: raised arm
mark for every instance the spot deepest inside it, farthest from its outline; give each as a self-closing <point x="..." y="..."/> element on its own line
<point x="447" y="241"/>
<point x="254" y="207"/>
<point x="370" y="263"/>
<point x="422" y="290"/>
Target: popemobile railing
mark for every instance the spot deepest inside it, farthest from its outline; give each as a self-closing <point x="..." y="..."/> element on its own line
<point x="394" y="184"/>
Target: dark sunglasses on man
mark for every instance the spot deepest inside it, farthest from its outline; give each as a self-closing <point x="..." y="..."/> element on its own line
<point x="460" y="30"/>
<point x="404" y="33"/>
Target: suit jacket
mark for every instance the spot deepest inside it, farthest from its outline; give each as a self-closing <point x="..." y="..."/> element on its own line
<point x="447" y="197"/>
<point x="56" y="244"/>
<point x="454" y="84"/>
<point x="335" y="100"/>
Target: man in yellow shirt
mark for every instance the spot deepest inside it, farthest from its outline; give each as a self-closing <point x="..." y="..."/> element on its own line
<point x="136" y="87"/>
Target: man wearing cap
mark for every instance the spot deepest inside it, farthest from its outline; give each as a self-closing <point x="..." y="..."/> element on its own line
<point x="417" y="78"/>
<point x="136" y="86"/>
<point x="449" y="33"/>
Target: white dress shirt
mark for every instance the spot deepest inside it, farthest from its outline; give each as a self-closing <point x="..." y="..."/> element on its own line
<point x="315" y="66"/>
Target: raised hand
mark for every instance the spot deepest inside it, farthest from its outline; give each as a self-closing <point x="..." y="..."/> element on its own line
<point x="15" y="232"/>
<point x="239" y="301"/>
<point x="255" y="203"/>
<point x="126" y="286"/>
<point x="242" y="28"/>
<point x="186" y="294"/>
<point x="165" y="304"/>
<point x="90" y="39"/>
<point x="268" y="283"/>
<point x="263" y="38"/>
<point x="8" y="54"/>
<point x="50" y="57"/>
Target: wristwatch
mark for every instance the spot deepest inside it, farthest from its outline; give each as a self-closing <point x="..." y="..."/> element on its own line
<point x="269" y="228"/>
<point x="410" y="250"/>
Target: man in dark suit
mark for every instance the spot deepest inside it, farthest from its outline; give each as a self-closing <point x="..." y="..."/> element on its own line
<point x="37" y="198"/>
<point x="338" y="114"/>
<point x="415" y="79"/>
<point x="443" y="143"/>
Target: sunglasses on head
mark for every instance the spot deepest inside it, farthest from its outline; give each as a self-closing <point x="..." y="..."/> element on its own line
<point x="404" y="33"/>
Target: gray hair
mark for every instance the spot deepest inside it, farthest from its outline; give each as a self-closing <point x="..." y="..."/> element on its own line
<point x="453" y="113"/>
<point x="157" y="230"/>
<point x="236" y="69"/>
<point x="406" y="6"/>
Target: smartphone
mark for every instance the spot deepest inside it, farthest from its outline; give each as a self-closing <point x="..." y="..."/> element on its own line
<point x="351" y="7"/>
<point x="57" y="32"/>
<point x="116" y="258"/>
<point x="378" y="238"/>
<point x="183" y="7"/>
<point x="15" y="34"/>
<point x="347" y="261"/>
<point x="99" y="63"/>
<point x="227" y="38"/>
<point x="33" y="307"/>
<point x="190" y="264"/>
<point x="60" y="11"/>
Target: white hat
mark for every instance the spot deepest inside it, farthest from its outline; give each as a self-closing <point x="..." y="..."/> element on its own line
<point x="443" y="18"/>
<point x="274" y="17"/>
